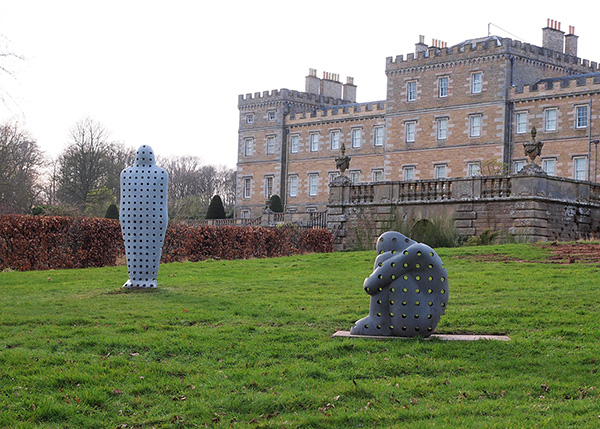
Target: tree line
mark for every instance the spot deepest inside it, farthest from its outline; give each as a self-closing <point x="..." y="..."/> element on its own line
<point x="83" y="180"/>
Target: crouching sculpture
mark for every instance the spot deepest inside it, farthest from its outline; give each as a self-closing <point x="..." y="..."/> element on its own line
<point x="408" y="288"/>
<point x="144" y="217"/>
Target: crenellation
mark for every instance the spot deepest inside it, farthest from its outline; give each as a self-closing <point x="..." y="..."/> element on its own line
<point x="496" y="90"/>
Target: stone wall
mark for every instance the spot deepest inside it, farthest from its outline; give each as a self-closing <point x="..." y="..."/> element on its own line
<point x="530" y="208"/>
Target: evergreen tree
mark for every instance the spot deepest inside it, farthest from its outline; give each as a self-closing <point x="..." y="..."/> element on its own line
<point x="276" y="205"/>
<point x="112" y="212"/>
<point x="215" y="208"/>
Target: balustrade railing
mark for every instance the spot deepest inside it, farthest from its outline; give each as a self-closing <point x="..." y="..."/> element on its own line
<point x="425" y="190"/>
<point x="362" y="193"/>
<point x="495" y="187"/>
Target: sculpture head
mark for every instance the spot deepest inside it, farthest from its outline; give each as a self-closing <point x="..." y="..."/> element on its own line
<point x="144" y="157"/>
<point x="392" y="241"/>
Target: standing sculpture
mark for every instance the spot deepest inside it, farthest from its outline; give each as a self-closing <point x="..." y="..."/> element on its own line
<point x="144" y="217"/>
<point x="408" y="289"/>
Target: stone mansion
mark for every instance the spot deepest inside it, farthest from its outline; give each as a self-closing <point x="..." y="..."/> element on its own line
<point x="450" y="112"/>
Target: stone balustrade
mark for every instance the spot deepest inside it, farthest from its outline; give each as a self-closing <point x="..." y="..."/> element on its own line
<point x="533" y="208"/>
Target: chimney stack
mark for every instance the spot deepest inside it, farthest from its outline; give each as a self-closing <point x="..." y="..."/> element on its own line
<point x="331" y="85"/>
<point x="349" y="92"/>
<point x="421" y="46"/>
<point x="571" y="42"/>
<point x="313" y="83"/>
<point x="553" y="38"/>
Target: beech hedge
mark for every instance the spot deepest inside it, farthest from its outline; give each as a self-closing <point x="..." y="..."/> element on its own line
<point x="54" y="242"/>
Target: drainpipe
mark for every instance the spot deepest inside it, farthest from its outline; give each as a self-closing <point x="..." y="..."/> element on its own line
<point x="284" y="158"/>
<point x="508" y="146"/>
<point x="589" y="156"/>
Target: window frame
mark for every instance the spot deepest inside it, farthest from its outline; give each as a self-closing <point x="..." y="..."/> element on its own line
<point x="439" y="130"/>
<point x="249" y="118"/>
<point x="517" y="163"/>
<point x="269" y="186"/>
<point x="271" y="115"/>
<point x="314" y="142"/>
<point x="545" y="162"/>
<point x="337" y="140"/>
<point x="356" y="138"/>
<point x="246" y="187"/>
<point x="294" y="143"/>
<point x="354" y="176"/>
<point x="313" y="184"/>
<point x="375" y="172"/>
<point x="443" y="86"/>
<point x="293" y="179"/>
<point x="378" y="136"/>
<point x="270" y="145"/>
<point x="474" y="128"/>
<point x="440" y="167"/>
<point x="575" y="170"/>
<point x="579" y="119"/>
<point x="411" y="91"/>
<point x="518" y="123"/>
<point x="248" y="146"/>
<point x="410" y="136"/>
<point x="407" y="168"/>
<point x="548" y="121"/>
<point x="476" y="84"/>
<point x="471" y="171"/>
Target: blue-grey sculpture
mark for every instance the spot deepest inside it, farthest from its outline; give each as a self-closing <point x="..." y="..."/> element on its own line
<point x="408" y="289"/>
<point x="144" y="217"/>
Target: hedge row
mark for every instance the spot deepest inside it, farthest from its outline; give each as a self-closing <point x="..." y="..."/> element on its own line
<point x="49" y="242"/>
<point x="196" y="243"/>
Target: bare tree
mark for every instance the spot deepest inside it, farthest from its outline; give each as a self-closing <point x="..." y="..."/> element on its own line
<point x="20" y="164"/>
<point x="84" y="164"/>
<point x="7" y="67"/>
<point x="192" y="185"/>
<point x="224" y="186"/>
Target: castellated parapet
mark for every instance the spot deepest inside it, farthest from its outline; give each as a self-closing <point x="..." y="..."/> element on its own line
<point x="490" y="46"/>
<point x="559" y="86"/>
<point x="341" y="111"/>
<point x="284" y="94"/>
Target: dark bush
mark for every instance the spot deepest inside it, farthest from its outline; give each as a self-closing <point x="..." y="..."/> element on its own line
<point x="112" y="212"/>
<point x="215" y="208"/>
<point x="275" y="204"/>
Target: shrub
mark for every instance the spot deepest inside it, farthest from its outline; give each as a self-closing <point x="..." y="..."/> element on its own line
<point x="112" y="212"/>
<point x="275" y="204"/>
<point x="55" y="242"/>
<point x="49" y="242"/>
<point x="215" y="208"/>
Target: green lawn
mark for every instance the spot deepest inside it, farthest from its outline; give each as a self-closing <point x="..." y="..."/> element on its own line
<point x="248" y="343"/>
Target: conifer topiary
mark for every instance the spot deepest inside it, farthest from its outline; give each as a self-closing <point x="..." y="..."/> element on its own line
<point x="276" y="205"/>
<point x="112" y="212"/>
<point x="215" y="208"/>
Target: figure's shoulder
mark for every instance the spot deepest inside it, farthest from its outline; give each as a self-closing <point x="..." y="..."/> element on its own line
<point x="127" y="170"/>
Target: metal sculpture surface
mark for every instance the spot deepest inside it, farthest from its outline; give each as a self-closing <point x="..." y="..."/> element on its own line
<point x="144" y="217"/>
<point x="408" y="289"/>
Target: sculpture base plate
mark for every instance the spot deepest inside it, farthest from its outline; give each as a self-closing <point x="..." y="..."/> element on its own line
<point x="443" y="337"/>
<point x="151" y="284"/>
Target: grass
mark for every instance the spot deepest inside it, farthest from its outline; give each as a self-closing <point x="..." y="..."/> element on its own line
<point x="248" y="343"/>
